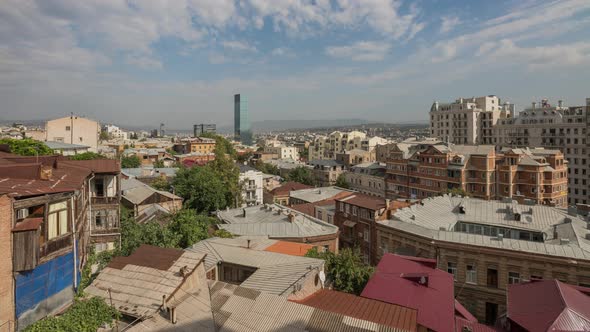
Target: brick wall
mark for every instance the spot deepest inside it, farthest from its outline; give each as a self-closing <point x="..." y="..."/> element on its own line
<point x="6" y="280"/>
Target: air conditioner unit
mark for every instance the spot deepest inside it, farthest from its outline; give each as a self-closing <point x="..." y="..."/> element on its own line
<point x="22" y="213"/>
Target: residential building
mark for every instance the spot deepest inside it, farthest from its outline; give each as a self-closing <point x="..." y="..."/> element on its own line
<point x="283" y="152"/>
<point x="149" y="174"/>
<point x="325" y="171"/>
<point x="271" y="182"/>
<point x="242" y="130"/>
<point x="285" y="166"/>
<point x="145" y="200"/>
<point x="554" y="127"/>
<point x="367" y="178"/>
<point x="252" y="185"/>
<point x="418" y="171"/>
<point x="546" y="305"/>
<point x="203" y="128"/>
<point x="356" y="216"/>
<point x="73" y="130"/>
<point x="149" y="156"/>
<point x="66" y="149"/>
<point x="418" y="285"/>
<point x="468" y="120"/>
<point x="244" y="262"/>
<point x="194" y="159"/>
<point x="49" y="208"/>
<point x="195" y="145"/>
<point x="326" y="147"/>
<point x="384" y="151"/>
<point x="115" y="132"/>
<point x="281" y="223"/>
<point x="281" y="194"/>
<point x="313" y="195"/>
<point x="488" y="245"/>
<point x="355" y="157"/>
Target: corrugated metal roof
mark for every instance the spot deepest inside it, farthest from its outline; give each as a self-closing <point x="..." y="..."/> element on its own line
<point x="548" y="305"/>
<point x="363" y="308"/>
<point x="276" y="273"/>
<point x="237" y="308"/>
<point x="313" y="195"/>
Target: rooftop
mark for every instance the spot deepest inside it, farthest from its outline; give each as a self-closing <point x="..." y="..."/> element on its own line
<point x="375" y="311"/>
<point x="137" y="192"/>
<point x="439" y="217"/>
<point x="64" y="146"/>
<point x="313" y="195"/>
<point x="289" y="186"/>
<point x="273" y="221"/>
<point x="284" y="270"/>
<point x="153" y="172"/>
<point x="138" y="283"/>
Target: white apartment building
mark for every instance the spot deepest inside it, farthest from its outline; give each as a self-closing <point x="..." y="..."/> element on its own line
<point x="115" y="131"/>
<point x="73" y="130"/>
<point x="554" y="127"/>
<point x="468" y="120"/>
<point x="253" y="184"/>
<point x="283" y="152"/>
<point x="326" y="147"/>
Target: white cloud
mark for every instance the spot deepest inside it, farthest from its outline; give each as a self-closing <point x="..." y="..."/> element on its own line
<point x="238" y="46"/>
<point x="283" y="51"/>
<point x="448" y="23"/>
<point x="144" y="62"/>
<point x="360" y="51"/>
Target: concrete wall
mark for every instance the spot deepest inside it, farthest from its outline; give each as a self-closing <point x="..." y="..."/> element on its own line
<point x="83" y="131"/>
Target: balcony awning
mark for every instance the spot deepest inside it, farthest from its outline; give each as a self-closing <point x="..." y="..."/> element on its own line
<point x="349" y="223"/>
<point x="28" y="224"/>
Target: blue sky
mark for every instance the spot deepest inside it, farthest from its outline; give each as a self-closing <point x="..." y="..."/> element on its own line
<point x="142" y="62"/>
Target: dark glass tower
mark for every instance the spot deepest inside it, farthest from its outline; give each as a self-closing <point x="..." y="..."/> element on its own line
<point x="242" y="130"/>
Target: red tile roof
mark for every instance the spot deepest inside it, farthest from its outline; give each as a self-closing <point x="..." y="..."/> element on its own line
<point x="548" y="305"/>
<point x="379" y="312"/>
<point x="289" y="248"/>
<point x="434" y="300"/>
<point x="287" y="187"/>
<point x="371" y="202"/>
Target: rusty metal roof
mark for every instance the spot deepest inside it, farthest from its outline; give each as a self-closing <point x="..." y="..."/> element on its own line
<point x="148" y="256"/>
<point x="363" y="308"/>
<point x="28" y="224"/>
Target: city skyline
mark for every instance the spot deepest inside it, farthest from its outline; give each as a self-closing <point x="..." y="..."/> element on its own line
<point x="382" y="60"/>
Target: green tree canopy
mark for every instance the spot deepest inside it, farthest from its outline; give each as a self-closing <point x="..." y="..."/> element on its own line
<point x="158" y="164"/>
<point x="161" y="184"/>
<point x="267" y="168"/>
<point x="456" y="192"/>
<point x="190" y="227"/>
<point x="345" y="270"/>
<point x="341" y="182"/>
<point x="27" y="147"/>
<point x="130" y="162"/>
<point x="87" y="156"/>
<point x="202" y="188"/>
<point x="301" y="174"/>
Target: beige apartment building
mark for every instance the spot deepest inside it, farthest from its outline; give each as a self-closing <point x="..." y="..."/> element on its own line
<point x="367" y="178"/>
<point x="468" y="120"/>
<point x="488" y="245"/>
<point x="554" y="127"/>
<point x="420" y="171"/>
<point x="73" y="130"/>
<point x="327" y="147"/>
<point x="283" y="152"/>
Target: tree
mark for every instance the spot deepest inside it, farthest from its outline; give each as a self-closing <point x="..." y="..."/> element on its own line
<point x="190" y="227"/>
<point x="130" y="162"/>
<point x="341" y="182"/>
<point x="161" y="184"/>
<point x="87" y="156"/>
<point x="301" y="174"/>
<point x="201" y="188"/>
<point x="267" y="168"/>
<point x="457" y="191"/>
<point x="226" y="170"/>
<point x="27" y="147"/>
<point x="222" y="233"/>
<point x="158" y="164"/>
<point x="104" y="136"/>
<point x="345" y="270"/>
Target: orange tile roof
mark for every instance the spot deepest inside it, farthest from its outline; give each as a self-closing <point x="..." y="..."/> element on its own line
<point x="289" y="248"/>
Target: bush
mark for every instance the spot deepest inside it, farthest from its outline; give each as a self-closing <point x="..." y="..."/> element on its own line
<point x="27" y="147"/>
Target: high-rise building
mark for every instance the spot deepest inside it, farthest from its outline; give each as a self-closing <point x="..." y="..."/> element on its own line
<point x="242" y="130"/>
<point x="202" y="128"/>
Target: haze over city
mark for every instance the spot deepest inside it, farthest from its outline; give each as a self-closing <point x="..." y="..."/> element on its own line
<point x="144" y="62"/>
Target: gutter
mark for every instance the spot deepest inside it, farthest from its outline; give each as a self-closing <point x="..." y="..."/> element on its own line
<point x="74" y="241"/>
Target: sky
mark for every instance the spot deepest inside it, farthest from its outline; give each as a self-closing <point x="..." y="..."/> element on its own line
<point x="142" y="62"/>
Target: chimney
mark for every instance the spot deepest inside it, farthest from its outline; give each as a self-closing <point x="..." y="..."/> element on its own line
<point x="291" y="217"/>
<point x="46" y="172"/>
<point x="560" y="103"/>
<point x="244" y="212"/>
<point x="248" y="244"/>
<point x="534" y="104"/>
<point x="387" y="203"/>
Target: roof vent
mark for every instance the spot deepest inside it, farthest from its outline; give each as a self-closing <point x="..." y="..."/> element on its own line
<point x="588" y="225"/>
<point x="442" y="228"/>
<point x="462" y="209"/>
<point x="564" y="241"/>
<point x="419" y="278"/>
<point x="587" y="236"/>
<point x="567" y="220"/>
<point x="466" y="329"/>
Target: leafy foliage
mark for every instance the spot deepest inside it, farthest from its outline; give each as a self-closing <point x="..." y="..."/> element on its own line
<point x="158" y="164"/>
<point x="226" y="170"/>
<point x="27" y="147"/>
<point x="341" y="182"/>
<point x="302" y="175"/>
<point x="222" y="233"/>
<point x="345" y="270"/>
<point x="201" y="188"/>
<point x="222" y="145"/>
<point x="190" y="227"/>
<point x="104" y="136"/>
<point x="267" y="168"/>
<point x="87" y="156"/>
<point x="456" y="192"/>
<point x="130" y="162"/>
<point x="161" y="184"/>
<point x="83" y="316"/>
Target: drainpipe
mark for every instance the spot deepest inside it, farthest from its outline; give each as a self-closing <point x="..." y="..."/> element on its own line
<point x="90" y="206"/>
<point x="74" y="242"/>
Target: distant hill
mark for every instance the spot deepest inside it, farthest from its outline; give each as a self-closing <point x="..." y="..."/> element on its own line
<point x="301" y="124"/>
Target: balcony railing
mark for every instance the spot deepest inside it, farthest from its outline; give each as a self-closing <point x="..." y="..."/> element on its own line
<point x="105" y="200"/>
<point x="55" y="245"/>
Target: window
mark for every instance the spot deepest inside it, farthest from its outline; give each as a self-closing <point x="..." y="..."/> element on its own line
<point x="492" y="278"/>
<point x="354" y="210"/>
<point x="513" y="277"/>
<point x="452" y="269"/>
<point x="471" y="274"/>
<point x="68" y="128"/>
<point x="366" y="235"/>
<point x="57" y="220"/>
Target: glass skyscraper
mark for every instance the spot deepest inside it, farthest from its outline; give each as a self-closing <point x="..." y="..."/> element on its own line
<point x="242" y="130"/>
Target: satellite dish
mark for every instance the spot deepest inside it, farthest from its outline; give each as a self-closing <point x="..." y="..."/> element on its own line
<point x="322" y="277"/>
